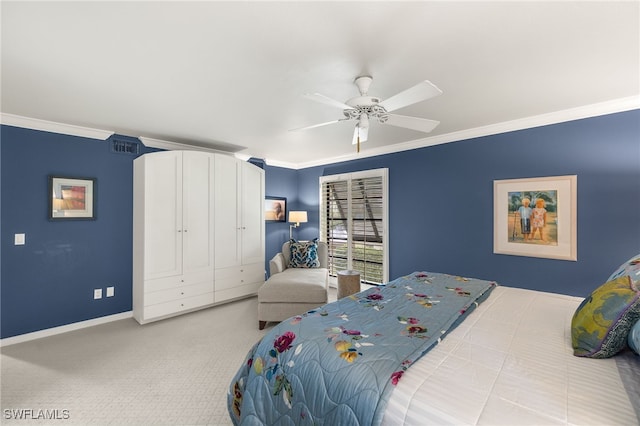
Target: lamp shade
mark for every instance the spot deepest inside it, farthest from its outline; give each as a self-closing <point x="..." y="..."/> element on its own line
<point x="297" y="216"/>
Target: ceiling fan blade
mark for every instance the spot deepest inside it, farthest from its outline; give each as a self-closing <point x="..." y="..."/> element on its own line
<point x="327" y="100"/>
<point x="415" y="94"/>
<point x="316" y="125"/>
<point x="413" y="123"/>
<point x="364" y="135"/>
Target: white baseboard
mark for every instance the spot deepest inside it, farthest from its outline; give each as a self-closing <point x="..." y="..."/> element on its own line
<point x="64" y="328"/>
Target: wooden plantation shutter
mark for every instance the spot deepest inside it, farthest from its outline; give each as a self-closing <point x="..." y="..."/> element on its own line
<point x="335" y="224"/>
<point x="353" y="222"/>
<point x="367" y="226"/>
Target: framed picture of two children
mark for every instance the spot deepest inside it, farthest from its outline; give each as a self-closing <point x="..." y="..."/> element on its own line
<point x="536" y="217"/>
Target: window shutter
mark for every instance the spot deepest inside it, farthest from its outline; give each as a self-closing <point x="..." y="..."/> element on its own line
<point x="335" y="223"/>
<point x="353" y="223"/>
<point x="368" y="228"/>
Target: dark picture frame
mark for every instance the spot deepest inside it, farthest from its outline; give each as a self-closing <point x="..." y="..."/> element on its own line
<point x="275" y="209"/>
<point x="72" y="198"/>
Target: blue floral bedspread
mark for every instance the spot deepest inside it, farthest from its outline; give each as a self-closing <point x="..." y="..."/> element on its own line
<point x="339" y="363"/>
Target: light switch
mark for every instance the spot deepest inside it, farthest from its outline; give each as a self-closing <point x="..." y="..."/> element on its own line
<point x="19" y="239"/>
<point x="110" y="291"/>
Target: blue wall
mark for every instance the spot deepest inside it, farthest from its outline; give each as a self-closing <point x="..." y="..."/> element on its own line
<point x="279" y="182"/>
<point x="49" y="281"/>
<point x="441" y="201"/>
<point x="441" y="214"/>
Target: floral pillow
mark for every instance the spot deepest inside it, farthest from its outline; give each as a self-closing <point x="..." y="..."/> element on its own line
<point x="634" y="338"/>
<point x="601" y="324"/>
<point x="304" y="254"/>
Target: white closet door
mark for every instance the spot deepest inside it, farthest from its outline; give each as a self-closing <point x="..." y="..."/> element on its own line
<point x="163" y="215"/>
<point x="197" y="226"/>
<point x="227" y="210"/>
<point x="252" y="214"/>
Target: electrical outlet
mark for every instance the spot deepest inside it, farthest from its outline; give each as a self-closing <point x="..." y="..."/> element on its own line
<point x="97" y="293"/>
<point x="111" y="291"/>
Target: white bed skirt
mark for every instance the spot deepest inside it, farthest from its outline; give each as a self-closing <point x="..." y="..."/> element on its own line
<point x="511" y="362"/>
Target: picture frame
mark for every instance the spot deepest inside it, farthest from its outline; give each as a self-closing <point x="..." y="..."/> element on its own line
<point x="536" y="217"/>
<point x="275" y="209"/>
<point x="72" y="198"/>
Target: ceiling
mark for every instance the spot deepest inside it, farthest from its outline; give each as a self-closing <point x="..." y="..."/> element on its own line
<point x="232" y="75"/>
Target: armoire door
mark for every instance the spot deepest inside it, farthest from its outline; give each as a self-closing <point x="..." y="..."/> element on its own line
<point x="252" y="232"/>
<point x="227" y="212"/>
<point x="197" y="201"/>
<point x="162" y="215"/>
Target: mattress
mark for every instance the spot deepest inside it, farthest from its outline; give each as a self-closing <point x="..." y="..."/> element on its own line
<point x="511" y="362"/>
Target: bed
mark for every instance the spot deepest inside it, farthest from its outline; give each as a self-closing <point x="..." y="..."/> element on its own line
<point x="499" y="355"/>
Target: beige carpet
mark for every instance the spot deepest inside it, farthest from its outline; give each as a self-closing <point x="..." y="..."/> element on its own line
<point x="174" y="371"/>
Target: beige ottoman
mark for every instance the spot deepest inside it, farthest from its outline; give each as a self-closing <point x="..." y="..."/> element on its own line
<point x="291" y="292"/>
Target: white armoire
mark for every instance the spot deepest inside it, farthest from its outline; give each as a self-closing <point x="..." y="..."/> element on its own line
<point x="198" y="232"/>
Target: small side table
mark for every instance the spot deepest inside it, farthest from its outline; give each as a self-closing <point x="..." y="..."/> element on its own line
<point x="348" y="283"/>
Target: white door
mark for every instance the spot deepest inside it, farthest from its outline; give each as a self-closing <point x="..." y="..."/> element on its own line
<point x="163" y="215"/>
<point x="252" y="214"/>
<point x="227" y="203"/>
<point x="197" y="226"/>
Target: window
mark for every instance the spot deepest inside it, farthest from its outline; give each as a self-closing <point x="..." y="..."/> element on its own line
<point x="353" y="222"/>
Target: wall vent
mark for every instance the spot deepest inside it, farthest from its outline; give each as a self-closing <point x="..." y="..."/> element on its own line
<point x="125" y="147"/>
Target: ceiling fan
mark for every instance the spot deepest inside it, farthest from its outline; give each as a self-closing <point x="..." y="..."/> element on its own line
<point x="364" y="108"/>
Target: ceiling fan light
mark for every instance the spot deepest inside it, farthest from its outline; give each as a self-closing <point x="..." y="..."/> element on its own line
<point x="363" y="122"/>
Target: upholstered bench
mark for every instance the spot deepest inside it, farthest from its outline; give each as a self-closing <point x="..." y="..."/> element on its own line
<point x="296" y="283"/>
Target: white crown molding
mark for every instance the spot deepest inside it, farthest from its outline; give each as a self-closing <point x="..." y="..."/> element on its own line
<point x="64" y="329"/>
<point x="283" y="164"/>
<point x="175" y="146"/>
<point x="243" y="157"/>
<point x="587" y="111"/>
<point x="53" y="127"/>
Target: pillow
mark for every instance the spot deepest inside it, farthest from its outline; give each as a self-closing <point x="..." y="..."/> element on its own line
<point x="304" y="254"/>
<point x="631" y="268"/>
<point x="601" y="324"/>
<point x="634" y="338"/>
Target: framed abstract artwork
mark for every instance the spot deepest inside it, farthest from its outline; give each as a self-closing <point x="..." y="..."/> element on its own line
<point x="72" y="198"/>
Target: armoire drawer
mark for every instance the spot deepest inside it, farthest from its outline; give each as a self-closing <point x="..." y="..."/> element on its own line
<point x="237" y="291"/>
<point x="182" y="292"/>
<point x="239" y="275"/>
<point x="167" y="283"/>
<point x="175" y="306"/>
